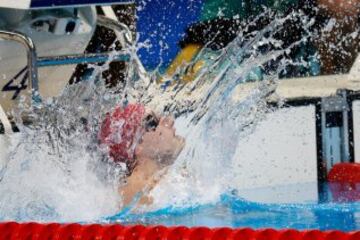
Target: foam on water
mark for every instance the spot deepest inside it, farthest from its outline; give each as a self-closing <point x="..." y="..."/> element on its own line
<point x="55" y="170"/>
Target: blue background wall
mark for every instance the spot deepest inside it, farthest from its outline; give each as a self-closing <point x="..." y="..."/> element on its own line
<point x="162" y="24"/>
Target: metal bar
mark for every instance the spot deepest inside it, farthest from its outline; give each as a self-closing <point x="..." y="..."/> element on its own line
<point x="124" y="33"/>
<point x="31" y="55"/>
<point x="81" y="58"/>
<point x="35" y="4"/>
<point x="323" y="137"/>
<point x="345" y="114"/>
<point x="345" y="136"/>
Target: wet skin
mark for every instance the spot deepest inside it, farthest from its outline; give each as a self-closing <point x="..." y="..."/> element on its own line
<point x="157" y="150"/>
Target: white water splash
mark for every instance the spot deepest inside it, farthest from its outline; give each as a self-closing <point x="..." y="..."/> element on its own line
<point x="57" y="171"/>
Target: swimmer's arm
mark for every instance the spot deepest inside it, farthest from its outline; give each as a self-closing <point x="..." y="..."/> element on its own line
<point x="143" y="176"/>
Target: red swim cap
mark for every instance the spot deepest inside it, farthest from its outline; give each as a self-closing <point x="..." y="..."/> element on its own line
<point x="120" y="131"/>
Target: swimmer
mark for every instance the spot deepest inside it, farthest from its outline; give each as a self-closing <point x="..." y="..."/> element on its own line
<point x="145" y="143"/>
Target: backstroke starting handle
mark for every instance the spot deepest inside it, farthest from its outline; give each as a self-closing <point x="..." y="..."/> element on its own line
<point x="31" y="56"/>
<point x="33" y="62"/>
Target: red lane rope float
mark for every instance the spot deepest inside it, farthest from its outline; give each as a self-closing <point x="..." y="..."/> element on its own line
<point x="345" y="173"/>
<point x="313" y="235"/>
<point x="344" y="181"/>
<point x="74" y="231"/>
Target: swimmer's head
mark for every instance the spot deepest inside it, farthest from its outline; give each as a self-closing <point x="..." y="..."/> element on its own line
<point x="134" y="133"/>
<point x="121" y="130"/>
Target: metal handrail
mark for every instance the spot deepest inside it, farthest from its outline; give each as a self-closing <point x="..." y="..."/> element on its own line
<point x="126" y="39"/>
<point x="33" y="62"/>
<point x="81" y="58"/>
<point x="31" y="55"/>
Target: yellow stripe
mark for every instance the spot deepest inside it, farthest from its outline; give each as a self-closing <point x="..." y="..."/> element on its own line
<point x="184" y="58"/>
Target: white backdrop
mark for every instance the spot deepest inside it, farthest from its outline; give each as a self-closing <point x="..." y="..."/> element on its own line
<point x="356" y="119"/>
<point x="24" y="4"/>
<point x="282" y="151"/>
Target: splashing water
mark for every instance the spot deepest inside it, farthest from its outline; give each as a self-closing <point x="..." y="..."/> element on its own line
<point x="219" y="117"/>
<point x="57" y="171"/>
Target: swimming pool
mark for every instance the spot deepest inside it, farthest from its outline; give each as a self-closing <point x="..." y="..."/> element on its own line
<point x="232" y="211"/>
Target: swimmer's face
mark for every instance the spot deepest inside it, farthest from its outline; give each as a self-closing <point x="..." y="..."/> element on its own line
<point x="159" y="141"/>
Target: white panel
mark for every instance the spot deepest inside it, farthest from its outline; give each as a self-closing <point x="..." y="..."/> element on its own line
<point x="281" y="151"/>
<point x="356" y="119"/>
<point x="294" y="193"/>
<point x="21" y="4"/>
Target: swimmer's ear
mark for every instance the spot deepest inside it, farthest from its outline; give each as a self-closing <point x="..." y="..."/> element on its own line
<point x="138" y="150"/>
<point x="167" y="122"/>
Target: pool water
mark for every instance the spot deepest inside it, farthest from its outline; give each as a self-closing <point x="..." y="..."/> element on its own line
<point x="232" y="211"/>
